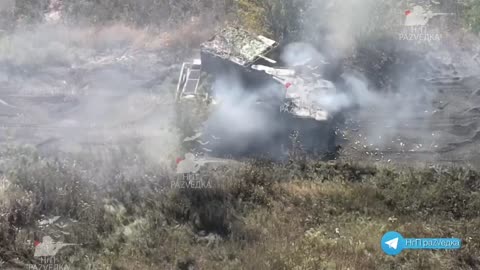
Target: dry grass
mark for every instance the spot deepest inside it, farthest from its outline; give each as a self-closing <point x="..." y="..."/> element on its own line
<point x="267" y="217"/>
<point x="302" y="215"/>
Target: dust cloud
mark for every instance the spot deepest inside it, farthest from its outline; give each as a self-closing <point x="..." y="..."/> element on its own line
<point x="70" y="89"/>
<point x="402" y="99"/>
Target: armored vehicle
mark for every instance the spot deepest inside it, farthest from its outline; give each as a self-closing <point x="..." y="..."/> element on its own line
<point x="253" y="104"/>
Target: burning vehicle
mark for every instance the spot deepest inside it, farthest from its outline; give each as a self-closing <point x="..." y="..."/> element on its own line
<point x="285" y="97"/>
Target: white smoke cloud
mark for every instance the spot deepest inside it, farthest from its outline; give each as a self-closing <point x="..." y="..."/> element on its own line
<point x="76" y="91"/>
<point x="242" y="112"/>
<point x="339" y="25"/>
<point x="7" y="5"/>
<point x="385" y="112"/>
<point x="300" y="53"/>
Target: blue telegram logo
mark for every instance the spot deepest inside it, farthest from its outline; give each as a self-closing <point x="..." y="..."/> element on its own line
<point x="392" y="243"/>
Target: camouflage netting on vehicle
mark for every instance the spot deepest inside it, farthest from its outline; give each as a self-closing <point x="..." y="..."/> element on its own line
<point x="237" y="45"/>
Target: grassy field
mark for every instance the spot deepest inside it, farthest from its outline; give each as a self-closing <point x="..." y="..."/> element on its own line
<point x="303" y="215"/>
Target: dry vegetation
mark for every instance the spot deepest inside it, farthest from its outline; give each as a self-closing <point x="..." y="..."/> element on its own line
<point x="299" y="215"/>
<point x="311" y="215"/>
